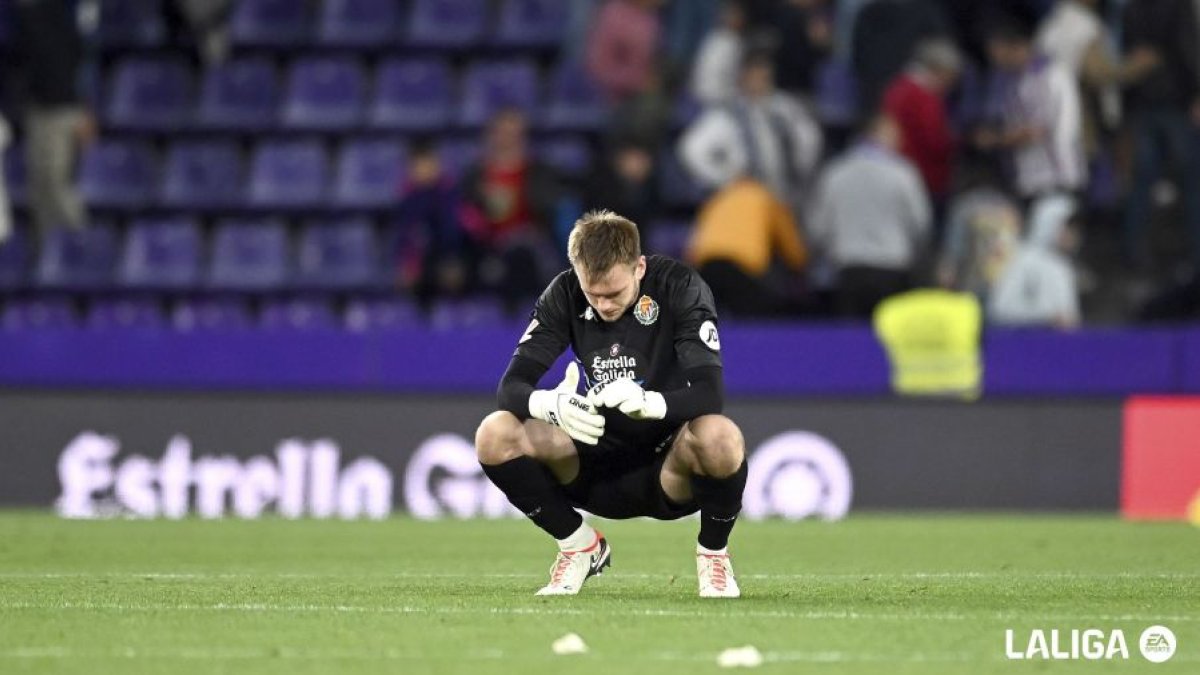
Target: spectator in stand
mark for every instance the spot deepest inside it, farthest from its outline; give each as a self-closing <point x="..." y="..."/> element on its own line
<point x="626" y="182"/>
<point x="510" y="204"/>
<point x="5" y="212"/>
<point x="433" y="254"/>
<point x="58" y="125"/>
<point x="623" y="47"/>
<point x="1164" y="111"/>
<point x="983" y="231"/>
<point x="715" y="75"/>
<point x="205" y="23"/>
<point x="871" y="220"/>
<point x="763" y="133"/>
<point x="1038" y="286"/>
<point x="747" y="247"/>
<point x="645" y="116"/>
<point x="917" y="101"/>
<point x="886" y="33"/>
<point x="800" y="34"/>
<point x="1040" y="125"/>
<point x="686" y="26"/>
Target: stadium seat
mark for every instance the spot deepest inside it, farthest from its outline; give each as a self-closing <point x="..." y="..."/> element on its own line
<point x="39" y="314"/>
<point x="369" y="173"/>
<point x="161" y="254"/>
<point x="269" y="23"/>
<point x="249" y="256"/>
<point x="412" y="95"/>
<point x="240" y="94"/>
<point x="118" y="174"/>
<point x="575" y="102"/>
<point x="125" y="314"/>
<point x="152" y="94"/>
<point x="457" y="155"/>
<point x="679" y="190"/>
<point x="669" y="238"/>
<point x="531" y="23"/>
<point x="466" y="313"/>
<point x="14" y="174"/>
<point x="373" y="314"/>
<point x="836" y="95"/>
<point x="288" y="174"/>
<point x="447" y="23"/>
<point x="15" y="252"/>
<point x="489" y="86"/>
<point x="77" y="260"/>
<point x="359" y="23"/>
<point x="298" y="314"/>
<point x="570" y="155"/>
<point x="324" y="93"/>
<point x="211" y="314"/>
<point x="202" y="174"/>
<point x="130" y="23"/>
<point x="338" y="255"/>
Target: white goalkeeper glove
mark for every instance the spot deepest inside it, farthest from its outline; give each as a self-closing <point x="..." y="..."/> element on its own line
<point x="567" y="410"/>
<point x="628" y="396"/>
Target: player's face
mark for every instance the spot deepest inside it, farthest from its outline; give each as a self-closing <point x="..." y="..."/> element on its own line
<point x="614" y="291"/>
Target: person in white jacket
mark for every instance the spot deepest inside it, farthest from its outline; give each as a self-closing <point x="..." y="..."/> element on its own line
<point x="715" y="75"/>
<point x="1038" y="287"/>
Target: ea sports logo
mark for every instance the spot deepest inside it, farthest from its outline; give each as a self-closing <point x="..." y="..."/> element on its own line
<point x="1157" y="644"/>
<point x="796" y="475"/>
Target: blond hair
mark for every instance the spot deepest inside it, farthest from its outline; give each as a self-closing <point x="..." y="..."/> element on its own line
<point x="601" y="240"/>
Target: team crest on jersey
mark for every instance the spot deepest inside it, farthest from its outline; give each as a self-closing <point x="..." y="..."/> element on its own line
<point x="646" y="310"/>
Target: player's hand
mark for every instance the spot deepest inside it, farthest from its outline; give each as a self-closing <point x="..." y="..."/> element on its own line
<point x="567" y="410"/>
<point x="628" y="396"/>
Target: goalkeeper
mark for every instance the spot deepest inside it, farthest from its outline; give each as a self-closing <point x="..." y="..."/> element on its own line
<point x="647" y="438"/>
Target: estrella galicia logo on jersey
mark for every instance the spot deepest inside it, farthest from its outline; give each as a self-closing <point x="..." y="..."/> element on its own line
<point x="613" y="363"/>
<point x="528" y="331"/>
<point x="646" y="310"/>
<point x="709" y="336"/>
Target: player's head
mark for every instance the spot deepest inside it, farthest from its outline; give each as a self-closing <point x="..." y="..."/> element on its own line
<point x="606" y="252"/>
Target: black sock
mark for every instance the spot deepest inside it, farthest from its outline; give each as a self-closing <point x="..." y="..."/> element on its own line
<point x="530" y="488"/>
<point x="720" y="500"/>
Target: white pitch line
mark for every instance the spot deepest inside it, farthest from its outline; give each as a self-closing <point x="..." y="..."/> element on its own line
<point x="813" y="576"/>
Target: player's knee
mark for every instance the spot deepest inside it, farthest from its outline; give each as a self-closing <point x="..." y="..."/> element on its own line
<point x="718" y="445"/>
<point x="498" y="438"/>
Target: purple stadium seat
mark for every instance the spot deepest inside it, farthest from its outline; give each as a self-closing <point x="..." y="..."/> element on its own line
<point x="458" y="154"/>
<point x="211" y="314"/>
<point x="125" y="314"/>
<point x="489" y="86"/>
<point x="150" y="94"/>
<point x="14" y="260"/>
<point x="249" y="256"/>
<point x="369" y="173"/>
<point x="324" y="93"/>
<point x="837" y="94"/>
<point x="200" y="174"/>
<point x="413" y="94"/>
<point x="77" y="260"/>
<point x="269" y="23"/>
<point x="240" y="94"/>
<point x="678" y="188"/>
<point x="571" y="155"/>
<point x="288" y="174"/>
<point x="161" y="254"/>
<point x="39" y="314"/>
<point x="338" y="255"/>
<point x="359" y="23"/>
<point x="116" y="173"/>
<point x="575" y="103"/>
<point x="669" y="238"/>
<point x="131" y="23"/>
<point x="447" y="23"/>
<point x="531" y="23"/>
<point x="298" y="314"/>
<point x="364" y="315"/>
<point x="467" y="313"/>
<point x="14" y="174"/>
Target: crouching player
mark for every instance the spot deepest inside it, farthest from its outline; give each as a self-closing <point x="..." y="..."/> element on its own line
<point x="648" y="437"/>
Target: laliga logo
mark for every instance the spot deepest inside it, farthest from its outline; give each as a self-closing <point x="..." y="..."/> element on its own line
<point x="443" y="478"/>
<point x="795" y="475"/>
<point x="1157" y="645"/>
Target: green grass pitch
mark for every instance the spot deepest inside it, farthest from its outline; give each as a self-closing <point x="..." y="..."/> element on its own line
<point x="893" y="594"/>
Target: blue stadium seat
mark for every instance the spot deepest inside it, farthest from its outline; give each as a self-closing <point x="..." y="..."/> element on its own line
<point x="570" y="155"/>
<point x="457" y="155"/>
<point x="161" y="254"/>
<point x="125" y="314"/>
<point x="447" y="23"/>
<point x="324" y="93"/>
<point x="39" y="314"/>
<point x="15" y="253"/>
<point x="131" y="23"/>
<point x="118" y="174"/>
<point x="152" y="94"/>
<point x="466" y="313"/>
<point x="531" y="23"/>
<point x="14" y="174"/>
<point x="837" y="94"/>
<point x="77" y="260"/>
<point x="202" y="174"/>
<point x="575" y="102"/>
<point x="211" y="314"/>
<point x="240" y="94"/>
<point x="288" y="174"/>
<point x="669" y="237"/>
<point x="249" y="255"/>
<point x="298" y="314"/>
<point x="359" y="23"/>
<point x="489" y="86"/>
<point x="371" y="314"/>
<point x="369" y="173"/>
<point x="412" y="95"/>
<point x="678" y="189"/>
<point x="338" y="255"/>
<point x="269" y="23"/>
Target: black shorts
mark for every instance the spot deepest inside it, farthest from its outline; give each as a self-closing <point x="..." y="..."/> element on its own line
<point x="618" y="480"/>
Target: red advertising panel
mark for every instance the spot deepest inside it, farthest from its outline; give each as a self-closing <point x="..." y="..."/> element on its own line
<point x="1160" y="473"/>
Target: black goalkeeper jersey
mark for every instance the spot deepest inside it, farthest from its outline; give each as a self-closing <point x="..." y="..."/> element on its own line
<point x="668" y="334"/>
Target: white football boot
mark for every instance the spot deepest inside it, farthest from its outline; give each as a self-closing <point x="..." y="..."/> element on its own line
<point x="715" y="573"/>
<point x="572" y="568"/>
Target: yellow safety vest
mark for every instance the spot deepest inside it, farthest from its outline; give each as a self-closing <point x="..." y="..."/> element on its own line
<point x="932" y="341"/>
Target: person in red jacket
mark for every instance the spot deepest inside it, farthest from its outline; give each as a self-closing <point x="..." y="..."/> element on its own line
<point x="916" y="100"/>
